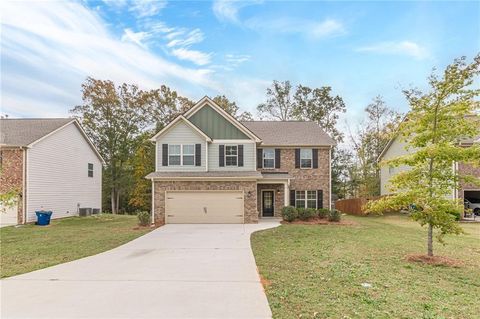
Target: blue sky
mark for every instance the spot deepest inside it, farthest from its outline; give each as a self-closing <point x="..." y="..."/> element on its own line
<point x="361" y="49"/>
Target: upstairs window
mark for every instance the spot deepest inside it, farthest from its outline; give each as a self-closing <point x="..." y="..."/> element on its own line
<point x="90" y="170"/>
<point x="268" y="158"/>
<point x="231" y="155"/>
<point x="306" y="158"/>
<point x="188" y="156"/>
<point x="174" y="154"/>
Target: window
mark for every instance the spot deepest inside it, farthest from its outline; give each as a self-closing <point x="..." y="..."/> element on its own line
<point x="90" y="170"/>
<point x="231" y="155"/>
<point x="300" y="199"/>
<point x="268" y="158"/>
<point x="174" y="154"/>
<point x="306" y="158"/>
<point x="306" y="199"/>
<point x="188" y="156"/>
<point x="312" y="199"/>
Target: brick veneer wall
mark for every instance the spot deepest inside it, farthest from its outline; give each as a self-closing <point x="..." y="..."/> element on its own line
<point x="279" y="199"/>
<point x="306" y="179"/>
<point x="11" y="175"/>
<point x="250" y="201"/>
<point x="466" y="169"/>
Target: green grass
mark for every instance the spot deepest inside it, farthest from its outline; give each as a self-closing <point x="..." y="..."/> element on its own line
<point x="317" y="271"/>
<point x="30" y="247"/>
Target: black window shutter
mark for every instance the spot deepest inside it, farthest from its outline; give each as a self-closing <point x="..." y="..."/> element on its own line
<point x="277" y="158"/>
<point x="259" y="158"/>
<point x="297" y="158"/>
<point x="198" y="154"/>
<point x="315" y="158"/>
<point x="221" y="155"/>
<point x="240" y="155"/>
<point x="164" y="154"/>
<point x="292" y="197"/>
<point x="319" y="199"/>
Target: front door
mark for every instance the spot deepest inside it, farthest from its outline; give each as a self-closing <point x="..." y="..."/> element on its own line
<point x="267" y="203"/>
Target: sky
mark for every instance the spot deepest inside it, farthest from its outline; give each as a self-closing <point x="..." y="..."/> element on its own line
<point x="234" y="48"/>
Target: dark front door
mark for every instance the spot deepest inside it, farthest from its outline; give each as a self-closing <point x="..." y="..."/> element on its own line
<point x="267" y="203"/>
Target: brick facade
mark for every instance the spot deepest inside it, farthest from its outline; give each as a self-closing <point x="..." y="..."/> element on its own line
<point x="248" y="187"/>
<point x="466" y="169"/>
<point x="11" y="175"/>
<point x="279" y="198"/>
<point x="306" y="179"/>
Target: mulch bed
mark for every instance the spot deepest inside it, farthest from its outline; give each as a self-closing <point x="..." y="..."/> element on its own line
<point x="149" y="226"/>
<point x="319" y="221"/>
<point x="434" y="260"/>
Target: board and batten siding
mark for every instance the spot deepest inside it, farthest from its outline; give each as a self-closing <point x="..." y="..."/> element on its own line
<point x="57" y="174"/>
<point x="249" y="157"/>
<point x="181" y="133"/>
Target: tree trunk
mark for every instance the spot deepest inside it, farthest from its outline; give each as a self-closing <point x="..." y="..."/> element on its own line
<point x="112" y="200"/>
<point x="117" y="200"/>
<point x="430" y="240"/>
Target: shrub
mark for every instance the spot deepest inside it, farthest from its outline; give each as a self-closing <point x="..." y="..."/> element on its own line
<point x="456" y="215"/>
<point x="143" y="218"/>
<point x="289" y="213"/>
<point x="334" y="215"/>
<point x="306" y="213"/>
<point x="323" y="212"/>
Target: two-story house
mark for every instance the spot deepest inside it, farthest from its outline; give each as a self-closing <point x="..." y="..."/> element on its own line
<point x="211" y="168"/>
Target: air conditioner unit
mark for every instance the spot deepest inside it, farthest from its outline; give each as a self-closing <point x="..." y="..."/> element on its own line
<point x="85" y="211"/>
<point x="95" y="210"/>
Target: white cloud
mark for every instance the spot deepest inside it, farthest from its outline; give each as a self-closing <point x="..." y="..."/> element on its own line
<point x="197" y="57"/>
<point x="179" y="38"/>
<point x="408" y="48"/>
<point x="60" y="44"/>
<point x="308" y="28"/>
<point x="146" y="8"/>
<point x="227" y="10"/>
<point x="135" y="37"/>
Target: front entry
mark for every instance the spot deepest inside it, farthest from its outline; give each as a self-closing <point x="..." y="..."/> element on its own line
<point x="267" y="203"/>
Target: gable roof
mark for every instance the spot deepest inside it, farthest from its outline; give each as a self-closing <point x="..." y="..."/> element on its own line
<point x="290" y="133"/>
<point x="27" y="132"/>
<point x="23" y="132"/>
<point x="208" y="101"/>
<point x="172" y="124"/>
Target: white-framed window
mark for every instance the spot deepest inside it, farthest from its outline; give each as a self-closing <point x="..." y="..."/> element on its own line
<point x="181" y="155"/>
<point x="174" y="154"/>
<point x="268" y="158"/>
<point x="90" y="169"/>
<point x="188" y="155"/>
<point x="306" y="199"/>
<point x="231" y="155"/>
<point x="306" y="156"/>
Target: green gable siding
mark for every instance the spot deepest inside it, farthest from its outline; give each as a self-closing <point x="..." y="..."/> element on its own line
<point x="215" y="125"/>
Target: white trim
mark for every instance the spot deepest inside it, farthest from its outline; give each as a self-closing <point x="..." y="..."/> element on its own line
<point x="24" y="186"/>
<point x="77" y="124"/>
<point x="27" y="187"/>
<point x="181" y="155"/>
<point x="273" y="200"/>
<point x="218" y="178"/>
<point x="311" y="158"/>
<point x="172" y="123"/>
<point x="225" y="155"/>
<point x="274" y="181"/>
<point x="206" y="100"/>
<point x="286" y="193"/>
<point x="306" y="198"/>
<point x="206" y="156"/>
<point x="263" y="158"/>
<point x="329" y="180"/>
<point x="243" y="141"/>
<point x="156" y="156"/>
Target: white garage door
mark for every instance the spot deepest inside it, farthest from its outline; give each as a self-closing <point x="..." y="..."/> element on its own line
<point x="8" y="215"/>
<point x="204" y="207"/>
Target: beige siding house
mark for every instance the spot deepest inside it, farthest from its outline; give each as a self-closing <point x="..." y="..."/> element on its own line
<point x="52" y="165"/>
<point x="211" y="168"/>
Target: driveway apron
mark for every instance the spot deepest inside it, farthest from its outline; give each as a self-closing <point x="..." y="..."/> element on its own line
<point x="176" y="271"/>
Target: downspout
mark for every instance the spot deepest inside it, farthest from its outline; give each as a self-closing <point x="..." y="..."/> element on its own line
<point x="153" y="202"/>
<point x="24" y="188"/>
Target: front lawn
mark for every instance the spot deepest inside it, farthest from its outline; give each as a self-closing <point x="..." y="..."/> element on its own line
<point x="317" y="271"/>
<point x="30" y="247"/>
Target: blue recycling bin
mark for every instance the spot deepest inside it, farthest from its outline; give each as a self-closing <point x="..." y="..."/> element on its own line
<point x="43" y="217"/>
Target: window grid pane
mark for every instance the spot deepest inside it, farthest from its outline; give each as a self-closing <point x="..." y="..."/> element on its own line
<point x="174" y="160"/>
<point x="188" y="149"/>
<point x="174" y="149"/>
<point x="268" y="163"/>
<point x="231" y="150"/>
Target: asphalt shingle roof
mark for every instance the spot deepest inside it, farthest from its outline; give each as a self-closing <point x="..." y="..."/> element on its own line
<point x="22" y="132"/>
<point x="289" y="133"/>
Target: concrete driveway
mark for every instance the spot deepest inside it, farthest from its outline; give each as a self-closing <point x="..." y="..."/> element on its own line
<point x="176" y="271"/>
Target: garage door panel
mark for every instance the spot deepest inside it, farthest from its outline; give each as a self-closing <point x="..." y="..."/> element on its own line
<point x="204" y="207"/>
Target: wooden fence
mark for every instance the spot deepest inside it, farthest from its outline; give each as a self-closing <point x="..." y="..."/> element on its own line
<point x="353" y="206"/>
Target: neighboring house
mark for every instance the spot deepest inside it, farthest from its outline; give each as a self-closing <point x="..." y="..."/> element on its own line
<point x="211" y="168"/>
<point x="396" y="147"/>
<point x="52" y="165"/>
